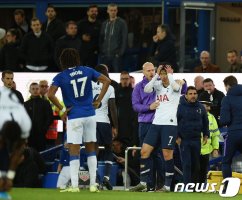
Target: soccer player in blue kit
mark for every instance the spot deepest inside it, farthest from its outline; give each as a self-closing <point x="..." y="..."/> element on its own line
<point x="75" y="82"/>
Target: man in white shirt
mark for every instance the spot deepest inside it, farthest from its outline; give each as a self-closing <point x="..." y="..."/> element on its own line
<point x="163" y="131"/>
<point x="104" y="128"/>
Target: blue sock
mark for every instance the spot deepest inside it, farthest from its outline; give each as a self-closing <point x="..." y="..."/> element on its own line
<point x="169" y="166"/>
<point x="145" y="168"/>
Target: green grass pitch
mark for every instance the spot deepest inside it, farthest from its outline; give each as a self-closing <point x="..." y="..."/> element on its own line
<point x="54" y="194"/>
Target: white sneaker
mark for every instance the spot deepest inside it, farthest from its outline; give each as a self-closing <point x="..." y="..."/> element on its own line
<point x="94" y="188"/>
<point x="71" y="190"/>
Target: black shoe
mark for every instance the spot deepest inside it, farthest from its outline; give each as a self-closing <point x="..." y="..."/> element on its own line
<point x="107" y="184"/>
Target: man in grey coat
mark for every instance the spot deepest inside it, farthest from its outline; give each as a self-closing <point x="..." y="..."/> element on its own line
<point x="113" y="39"/>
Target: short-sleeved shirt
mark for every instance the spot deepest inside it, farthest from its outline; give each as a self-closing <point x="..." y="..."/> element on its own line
<point x="169" y="99"/>
<point x="102" y="111"/>
<point x="76" y="88"/>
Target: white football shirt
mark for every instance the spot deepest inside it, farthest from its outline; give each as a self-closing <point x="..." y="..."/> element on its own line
<point x="169" y="99"/>
<point x="102" y="112"/>
<point x="11" y="109"/>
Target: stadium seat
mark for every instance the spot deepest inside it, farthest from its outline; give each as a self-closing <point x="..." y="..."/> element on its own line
<point x="50" y="180"/>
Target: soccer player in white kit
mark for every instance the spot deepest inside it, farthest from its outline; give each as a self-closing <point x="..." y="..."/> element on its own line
<point x="163" y="131"/>
<point x="15" y="126"/>
<point x="104" y="129"/>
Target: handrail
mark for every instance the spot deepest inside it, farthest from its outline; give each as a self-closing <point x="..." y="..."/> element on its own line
<point x="126" y="164"/>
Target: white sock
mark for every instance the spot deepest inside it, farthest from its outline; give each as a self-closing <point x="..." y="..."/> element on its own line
<point x="74" y="169"/>
<point x="92" y="166"/>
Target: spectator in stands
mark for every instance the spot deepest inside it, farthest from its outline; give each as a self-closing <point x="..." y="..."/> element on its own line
<point x="192" y="120"/>
<point x="145" y="105"/>
<point x="88" y="31"/>
<point x="7" y="79"/>
<point x="20" y="22"/>
<point x="41" y="115"/>
<point x="206" y="65"/>
<point x="113" y="39"/>
<point x="69" y="40"/>
<point x="15" y="125"/>
<point x="234" y="65"/>
<point x="231" y="116"/>
<point x="163" y="47"/>
<point x="52" y="133"/>
<point x="198" y="83"/>
<point x="216" y="97"/>
<point x="212" y="145"/>
<point x="10" y="52"/>
<point x="104" y="128"/>
<point x="53" y="26"/>
<point x="29" y="170"/>
<point x="127" y="118"/>
<point x="37" y="48"/>
<point x="2" y="35"/>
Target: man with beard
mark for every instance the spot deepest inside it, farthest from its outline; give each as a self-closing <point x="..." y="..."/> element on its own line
<point x="88" y="31"/>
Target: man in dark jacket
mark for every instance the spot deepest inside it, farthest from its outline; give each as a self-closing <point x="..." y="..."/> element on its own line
<point x="216" y="97"/>
<point x="231" y="116"/>
<point x="127" y="118"/>
<point x="163" y="47"/>
<point x="192" y="120"/>
<point x="37" y="48"/>
<point x="69" y="40"/>
<point x="88" y="31"/>
<point x="41" y="115"/>
<point x="53" y="26"/>
<point x="113" y="39"/>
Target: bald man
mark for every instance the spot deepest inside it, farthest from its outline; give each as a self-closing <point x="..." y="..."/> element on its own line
<point x="198" y="83"/>
<point x="145" y="105"/>
<point x="206" y="66"/>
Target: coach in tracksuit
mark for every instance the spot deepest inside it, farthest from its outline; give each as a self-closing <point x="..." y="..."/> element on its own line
<point x="231" y="116"/>
<point x="192" y="120"/>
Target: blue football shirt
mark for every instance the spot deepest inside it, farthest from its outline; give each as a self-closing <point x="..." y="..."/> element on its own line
<point x="76" y="88"/>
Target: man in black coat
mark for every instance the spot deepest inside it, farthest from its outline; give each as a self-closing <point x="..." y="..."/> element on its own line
<point x="88" y="31"/>
<point x="69" y="40"/>
<point x="41" y="115"/>
<point x="127" y="118"/>
<point x="53" y="26"/>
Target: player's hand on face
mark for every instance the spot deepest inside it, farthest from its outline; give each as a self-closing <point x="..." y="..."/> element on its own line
<point x="96" y="104"/>
<point x="169" y="69"/>
<point x="159" y="69"/>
